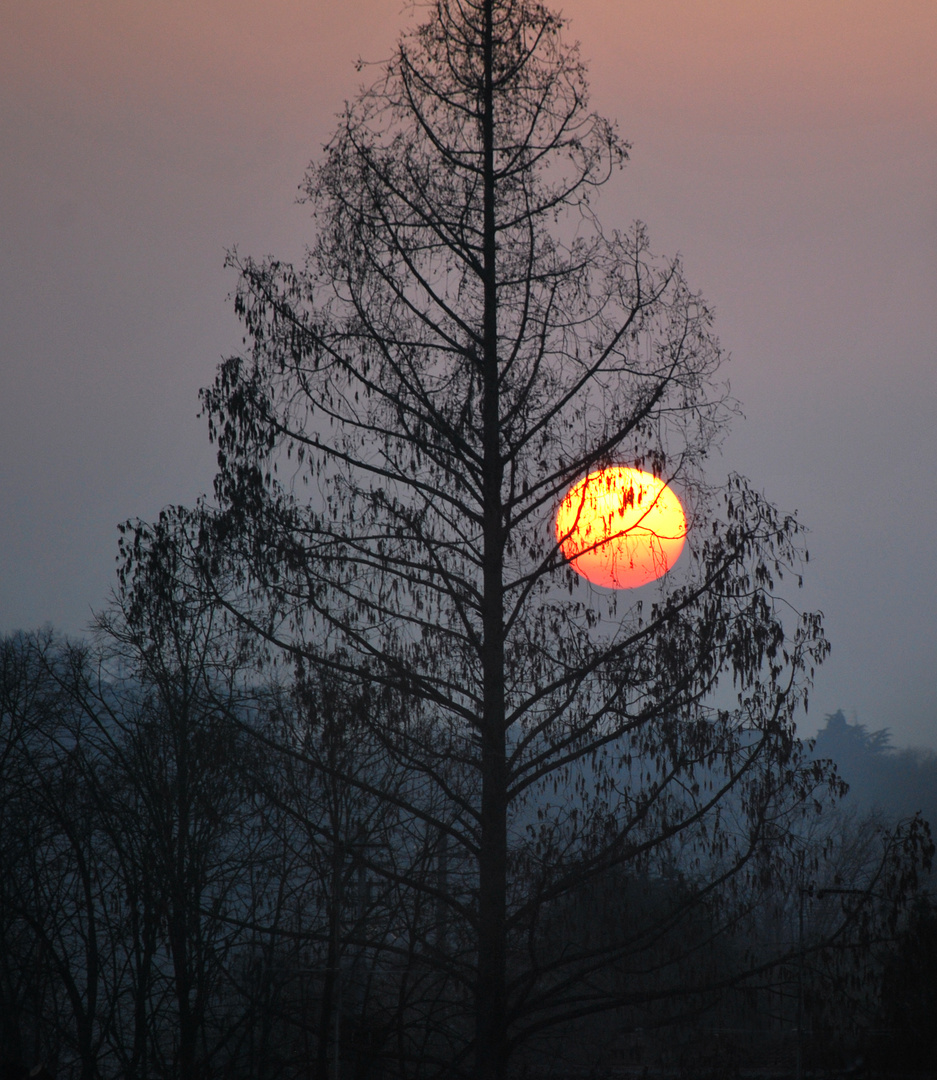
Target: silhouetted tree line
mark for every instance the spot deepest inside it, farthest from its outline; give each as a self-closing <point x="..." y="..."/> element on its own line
<point x="189" y="888"/>
<point x="359" y="777"/>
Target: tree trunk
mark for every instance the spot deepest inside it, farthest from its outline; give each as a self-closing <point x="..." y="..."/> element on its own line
<point x="490" y="980"/>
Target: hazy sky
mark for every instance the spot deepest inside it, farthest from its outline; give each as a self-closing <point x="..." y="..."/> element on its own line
<point x="787" y="149"/>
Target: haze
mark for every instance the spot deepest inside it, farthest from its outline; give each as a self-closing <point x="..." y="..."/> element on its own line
<point x="787" y="150"/>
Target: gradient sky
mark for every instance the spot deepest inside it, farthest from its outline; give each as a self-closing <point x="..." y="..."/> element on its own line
<point x="787" y="149"/>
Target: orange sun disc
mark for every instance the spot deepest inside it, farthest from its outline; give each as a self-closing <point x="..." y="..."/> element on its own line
<point x="621" y="527"/>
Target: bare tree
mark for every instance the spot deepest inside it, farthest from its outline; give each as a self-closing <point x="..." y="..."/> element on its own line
<point x="463" y="343"/>
<point x="54" y="884"/>
<point x="352" y="852"/>
<point x="172" y="700"/>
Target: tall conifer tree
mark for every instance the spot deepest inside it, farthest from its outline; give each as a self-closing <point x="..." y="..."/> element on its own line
<point x="463" y="343"/>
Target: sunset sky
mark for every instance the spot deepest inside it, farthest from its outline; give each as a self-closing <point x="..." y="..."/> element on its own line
<point x="787" y="149"/>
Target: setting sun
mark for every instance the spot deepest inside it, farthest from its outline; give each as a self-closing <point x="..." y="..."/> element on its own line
<point x="621" y="528"/>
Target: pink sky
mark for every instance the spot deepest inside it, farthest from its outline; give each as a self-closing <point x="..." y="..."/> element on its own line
<point x="787" y="149"/>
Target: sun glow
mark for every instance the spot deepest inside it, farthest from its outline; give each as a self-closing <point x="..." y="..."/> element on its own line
<point x="621" y="528"/>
